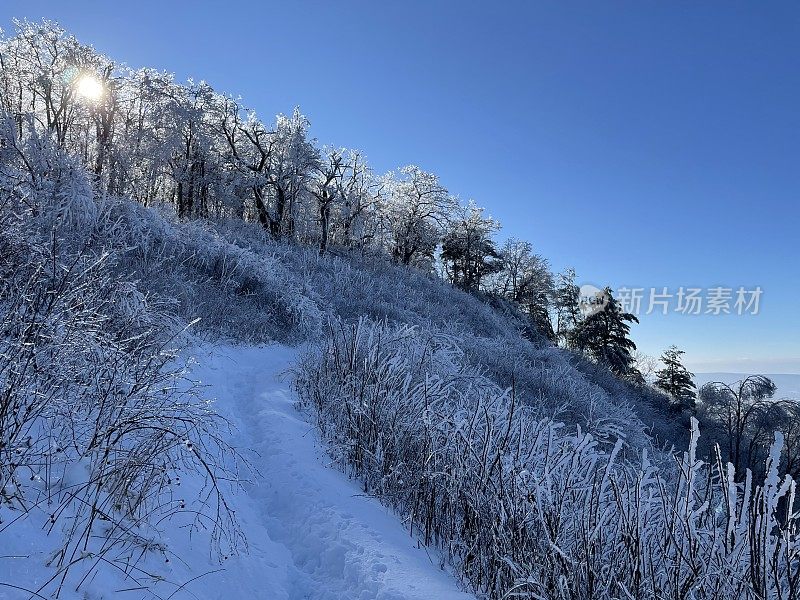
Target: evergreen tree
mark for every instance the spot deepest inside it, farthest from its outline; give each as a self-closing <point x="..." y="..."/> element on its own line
<point x="604" y="336"/>
<point x="567" y="307"/>
<point x="676" y="380"/>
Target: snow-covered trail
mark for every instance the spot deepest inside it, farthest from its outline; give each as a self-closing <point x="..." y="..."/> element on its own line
<point x="312" y="535"/>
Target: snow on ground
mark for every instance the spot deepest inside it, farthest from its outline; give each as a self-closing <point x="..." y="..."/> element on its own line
<point x="312" y="535"/>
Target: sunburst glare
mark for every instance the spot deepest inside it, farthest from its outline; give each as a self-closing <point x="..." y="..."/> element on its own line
<point x="89" y="87"/>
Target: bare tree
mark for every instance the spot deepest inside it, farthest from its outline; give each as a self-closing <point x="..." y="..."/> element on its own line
<point x="741" y="410"/>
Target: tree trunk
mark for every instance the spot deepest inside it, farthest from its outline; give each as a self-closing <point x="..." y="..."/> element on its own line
<point x="276" y="224"/>
<point x="263" y="214"/>
<point x="179" y="201"/>
<point x="325" y="215"/>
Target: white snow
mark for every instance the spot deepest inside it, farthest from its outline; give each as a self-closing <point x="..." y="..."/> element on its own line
<point x="312" y="534"/>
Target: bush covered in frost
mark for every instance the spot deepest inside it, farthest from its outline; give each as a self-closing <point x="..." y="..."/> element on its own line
<point x="97" y="421"/>
<point x="525" y="507"/>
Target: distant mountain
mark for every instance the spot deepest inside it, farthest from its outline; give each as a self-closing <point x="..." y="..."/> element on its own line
<point x="788" y="383"/>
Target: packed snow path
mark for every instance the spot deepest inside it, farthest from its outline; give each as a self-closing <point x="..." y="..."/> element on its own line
<point x="312" y="534"/>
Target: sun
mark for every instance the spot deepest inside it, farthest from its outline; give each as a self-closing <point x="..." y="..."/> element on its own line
<point x="89" y="87"/>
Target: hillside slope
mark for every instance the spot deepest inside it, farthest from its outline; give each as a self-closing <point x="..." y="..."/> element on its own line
<point x="153" y="213"/>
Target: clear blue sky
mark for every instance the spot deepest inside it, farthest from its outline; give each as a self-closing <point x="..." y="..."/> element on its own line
<point x="644" y="143"/>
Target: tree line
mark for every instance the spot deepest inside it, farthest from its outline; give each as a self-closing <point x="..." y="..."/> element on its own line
<point x="207" y="155"/>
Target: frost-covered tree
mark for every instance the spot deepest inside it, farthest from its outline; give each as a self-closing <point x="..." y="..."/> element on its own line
<point x="526" y="279"/>
<point x="418" y="209"/>
<point x="251" y="146"/>
<point x="326" y="191"/>
<point x="740" y="412"/>
<point x="292" y="168"/>
<point x="788" y="423"/>
<point x="567" y="306"/>
<point x="676" y="380"/>
<point x="68" y="89"/>
<point x="146" y="137"/>
<point x="468" y="250"/>
<point x="646" y="365"/>
<point x="343" y="197"/>
<point x="605" y="337"/>
<point x="358" y="215"/>
<point x="272" y="168"/>
<point x="191" y="150"/>
<point x="42" y="70"/>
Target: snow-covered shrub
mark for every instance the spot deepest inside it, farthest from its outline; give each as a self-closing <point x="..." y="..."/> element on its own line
<point x="255" y="288"/>
<point x="53" y="188"/>
<point x="525" y="507"/>
<point x="498" y="342"/>
<point x="96" y="419"/>
<point x="226" y="289"/>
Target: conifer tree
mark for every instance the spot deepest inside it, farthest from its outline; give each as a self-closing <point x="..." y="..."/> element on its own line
<point x="604" y="336"/>
<point x="566" y="300"/>
<point x="676" y="380"/>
